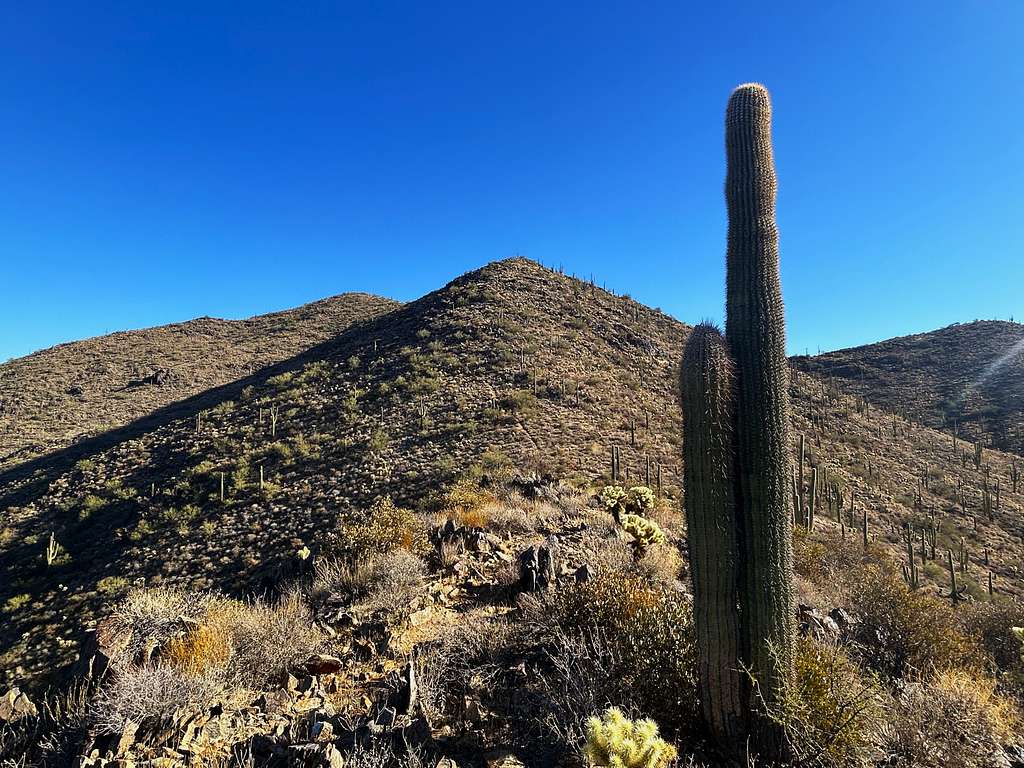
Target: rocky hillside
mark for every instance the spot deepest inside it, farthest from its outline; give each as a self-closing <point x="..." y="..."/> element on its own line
<point x="968" y="377"/>
<point x="56" y="396"/>
<point x="510" y="365"/>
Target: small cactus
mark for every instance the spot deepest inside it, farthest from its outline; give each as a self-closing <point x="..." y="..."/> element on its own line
<point x="624" y="506"/>
<point x="644" y="532"/>
<point x="615" y="741"/>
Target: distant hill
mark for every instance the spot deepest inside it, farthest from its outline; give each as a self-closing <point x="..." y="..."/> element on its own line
<point x="966" y="376"/>
<point x="510" y="364"/>
<point x="56" y="396"/>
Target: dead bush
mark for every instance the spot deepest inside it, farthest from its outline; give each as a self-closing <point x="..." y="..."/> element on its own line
<point x="151" y="693"/>
<point x="582" y="679"/>
<point x="271" y="639"/>
<point x="461" y="659"/>
<point x="650" y="628"/>
<point x="381" y="584"/>
<point x="956" y="718"/>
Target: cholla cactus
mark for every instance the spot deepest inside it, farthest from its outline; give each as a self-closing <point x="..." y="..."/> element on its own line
<point x="644" y="532"/>
<point x="616" y="741"/>
<point x="1019" y="634"/>
<point x="614" y="497"/>
<point x="640" y="499"/>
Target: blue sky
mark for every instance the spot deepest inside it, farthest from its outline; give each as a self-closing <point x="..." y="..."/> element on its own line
<point x="231" y="159"/>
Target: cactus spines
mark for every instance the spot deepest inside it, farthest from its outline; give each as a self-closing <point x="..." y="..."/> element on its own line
<point x="708" y="388"/>
<point x="756" y="334"/>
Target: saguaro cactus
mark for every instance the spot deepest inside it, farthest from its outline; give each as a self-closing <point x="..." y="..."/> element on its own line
<point x="708" y="388"/>
<point x="756" y="333"/>
<point x="760" y="464"/>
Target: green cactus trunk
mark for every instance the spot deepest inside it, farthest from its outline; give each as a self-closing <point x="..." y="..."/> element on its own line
<point x="756" y="334"/>
<point x="708" y="387"/>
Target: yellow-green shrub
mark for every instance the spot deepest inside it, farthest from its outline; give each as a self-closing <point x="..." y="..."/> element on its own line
<point x="381" y="528"/>
<point x="615" y="741"/>
<point x="830" y="709"/>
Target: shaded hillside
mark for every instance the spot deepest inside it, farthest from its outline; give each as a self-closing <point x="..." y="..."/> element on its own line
<point x="513" y="364"/>
<point x="969" y="375"/>
<point x="53" y="397"/>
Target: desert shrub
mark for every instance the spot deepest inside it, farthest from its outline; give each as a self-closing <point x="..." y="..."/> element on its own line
<point x="464" y="656"/>
<point x="150" y="693"/>
<point x="380" y="529"/>
<point x="513" y="513"/>
<point x="992" y="624"/>
<point x="397" y="579"/>
<point x="202" y="648"/>
<point x="382" y="584"/>
<point x="616" y="741"/>
<point x="830" y="710"/>
<point x="650" y="631"/>
<point x="466" y="503"/>
<point x="231" y="642"/>
<point x="823" y="558"/>
<point x="268" y="639"/>
<point x="582" y="678"/>
<point x="955" y="719"/>
<point x="17" y="602"/>
<point x="154" y="616"/>
<point x="381" y="754"/>
<point x="902" y="631"/>
<point x="660" y="564"/>
<point x="112" y="585"/>
<point x="521" y="403"/>
<point x="90" y="503"/>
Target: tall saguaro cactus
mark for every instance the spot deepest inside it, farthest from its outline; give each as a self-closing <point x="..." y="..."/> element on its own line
<point x="708" y="382"/>
<point x="755" y="329"/>
<point x="754" y="513"/>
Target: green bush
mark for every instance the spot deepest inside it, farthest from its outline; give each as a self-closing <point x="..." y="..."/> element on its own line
<point x="650" y="629"/>
<point x="381" y="528"/>
<point x="830" y="711"/>
<point x="904" y="632"/>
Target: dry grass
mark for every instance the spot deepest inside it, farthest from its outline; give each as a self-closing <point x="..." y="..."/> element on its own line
<point x="206" y="647"/>
<point x="957" y="719"/>
<point x="379" y="584"/>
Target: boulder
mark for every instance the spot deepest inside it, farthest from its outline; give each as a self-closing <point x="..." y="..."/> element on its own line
<point x="816" y="624"/>
<point x="584" y="574"/>
<point x="15" y="705"/>
<point x="537" y="568"/>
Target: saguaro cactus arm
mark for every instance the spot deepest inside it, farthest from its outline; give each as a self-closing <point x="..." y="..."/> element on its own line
<point x="708" y="395"/>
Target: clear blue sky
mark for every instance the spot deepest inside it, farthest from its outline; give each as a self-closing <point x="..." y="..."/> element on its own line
<point x="236" y="158"/>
